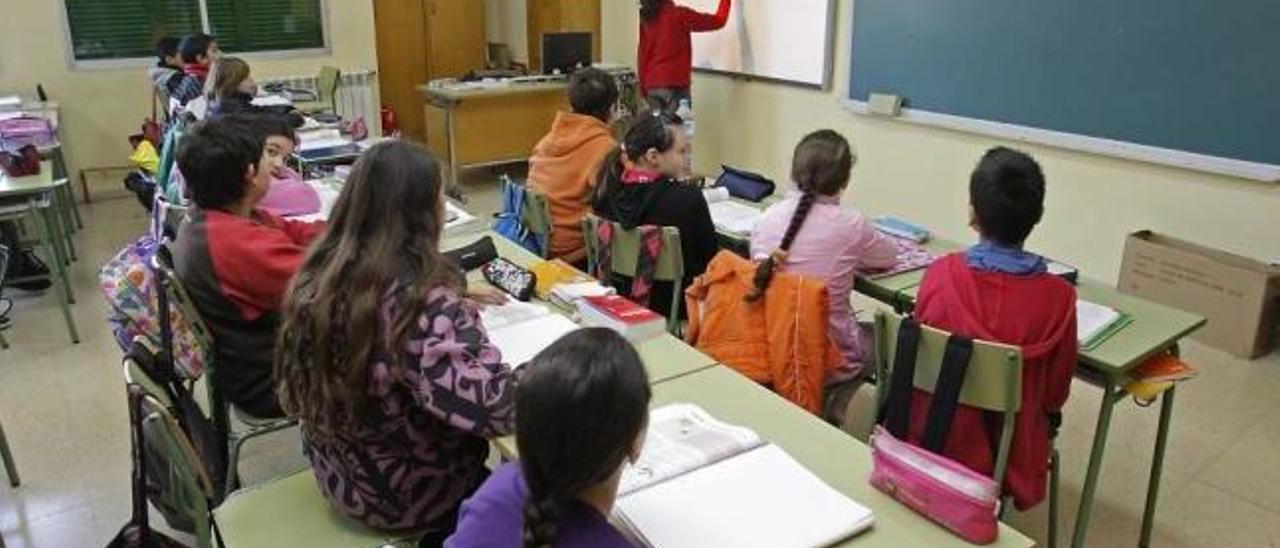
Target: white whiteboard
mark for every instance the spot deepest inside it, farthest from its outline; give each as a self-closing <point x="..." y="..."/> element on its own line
<point x="788" y="40"/>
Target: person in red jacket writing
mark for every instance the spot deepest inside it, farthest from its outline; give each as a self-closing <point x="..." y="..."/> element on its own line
<point x="665" y="56"/>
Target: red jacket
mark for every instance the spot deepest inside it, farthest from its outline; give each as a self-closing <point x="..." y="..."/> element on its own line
<point x="665" y="56"/>
<point x="1036" y="313"/>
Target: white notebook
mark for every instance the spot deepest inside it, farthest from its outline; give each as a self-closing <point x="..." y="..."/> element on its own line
<point x="730" y="216"/>
<point x="745" y="492"/>
<point x="522" y="330"/>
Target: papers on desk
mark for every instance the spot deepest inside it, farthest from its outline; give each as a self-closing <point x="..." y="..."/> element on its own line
<point x="10" y="101"/>
<point x="522" y="330"/>
<point x="730" y="216"/>
<point x="1096" y="323"/>
<point x="702" y="482"/>
<point x="455" y="216"/>
<point x="316" y="139"/>
<point x="911" y="257"/>
<point x="271" y="101"/>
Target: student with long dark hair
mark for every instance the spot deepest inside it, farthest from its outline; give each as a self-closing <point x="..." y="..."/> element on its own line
<point x="581" y="413"/>
<point x="665" y="54"/>
<point x="639" y="186"/>
<point x="810" y="234"/>
<point x="383" y="358"/>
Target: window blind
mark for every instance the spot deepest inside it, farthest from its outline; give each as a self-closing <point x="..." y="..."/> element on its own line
<point x="266" y="25"/>
<point x="113" y="29"/>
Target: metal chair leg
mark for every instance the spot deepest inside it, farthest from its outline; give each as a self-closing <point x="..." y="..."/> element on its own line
<point x="60" y="274"/>
<point x="9" y="467"/>
<point x="60" y="167"/>
<point x="4" y="344"/>
<point x="1054" y="480"/>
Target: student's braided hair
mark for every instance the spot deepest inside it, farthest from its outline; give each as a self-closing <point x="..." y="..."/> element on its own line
<point x="820" y="167"/>
<point x="580" y="407"/>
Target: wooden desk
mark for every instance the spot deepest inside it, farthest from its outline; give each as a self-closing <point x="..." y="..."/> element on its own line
<point x="665" y="357"/>
<point x="480" y="127"/>
<point x="841" y="461"/>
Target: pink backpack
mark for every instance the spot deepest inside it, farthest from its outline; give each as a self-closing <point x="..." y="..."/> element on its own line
<point x="24" y="130"/>
<point x="949" y="493"/>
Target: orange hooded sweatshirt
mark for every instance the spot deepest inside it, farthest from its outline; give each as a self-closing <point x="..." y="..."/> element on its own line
<point x="564" y="167"/>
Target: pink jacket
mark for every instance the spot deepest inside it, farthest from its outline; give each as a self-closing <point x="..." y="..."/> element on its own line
<point x="832" y="245"/>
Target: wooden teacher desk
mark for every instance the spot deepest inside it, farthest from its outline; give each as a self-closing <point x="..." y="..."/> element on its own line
<point x="483" y="126"/>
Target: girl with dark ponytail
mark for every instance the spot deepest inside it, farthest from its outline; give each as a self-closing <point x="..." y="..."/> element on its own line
<point x="581" y="412"/>
<point x="809" y="234"/>
<point x="640" y="184"/>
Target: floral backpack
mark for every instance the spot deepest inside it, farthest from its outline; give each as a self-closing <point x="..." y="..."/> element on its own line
<point x="128" y="283"/>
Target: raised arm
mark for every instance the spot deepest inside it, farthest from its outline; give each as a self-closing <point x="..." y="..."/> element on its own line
<point x="697" y="21"/>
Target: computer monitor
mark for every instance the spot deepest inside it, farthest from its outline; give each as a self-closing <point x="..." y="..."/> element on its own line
<point x="565" y="51"/>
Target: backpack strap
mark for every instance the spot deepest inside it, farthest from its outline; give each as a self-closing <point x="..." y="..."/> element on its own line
<point x="896" y="414"/>
<point x="646" y="262"/>
<point x="946" y="393"/>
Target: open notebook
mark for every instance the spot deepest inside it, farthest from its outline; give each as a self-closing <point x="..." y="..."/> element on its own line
<point x="522" y="330"/>
<point x="730" y="216"/>
<point x="1096" y="323"/>
<point x="701" y="482"/>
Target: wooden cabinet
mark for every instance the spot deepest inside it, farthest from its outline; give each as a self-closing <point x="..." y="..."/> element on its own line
<point x="421" y="40"/>
<point x="550" y="16"/>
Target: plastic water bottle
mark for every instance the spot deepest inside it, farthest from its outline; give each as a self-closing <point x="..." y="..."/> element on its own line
<point x="685" y="112"/>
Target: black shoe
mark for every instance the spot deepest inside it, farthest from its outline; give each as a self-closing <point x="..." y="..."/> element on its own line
<point x="26" y="264"/>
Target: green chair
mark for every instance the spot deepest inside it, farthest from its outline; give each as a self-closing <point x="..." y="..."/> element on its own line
<point x="993" y="383"/>
<point x="245" y="427"/>
<point x="536" y="217"/>
<point x="326" y="92"/>
<point x="38" y="214"/>
<point x="625" y="256"/>
<point x="284" y="512"/>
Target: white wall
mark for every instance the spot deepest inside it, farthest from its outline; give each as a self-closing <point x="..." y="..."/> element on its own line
<point x="921" y="173"/>
<point x="102" y="106"/>
<point x="507" y="21"/>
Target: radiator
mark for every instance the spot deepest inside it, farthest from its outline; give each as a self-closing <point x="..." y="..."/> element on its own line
<point x="357" y="95"/>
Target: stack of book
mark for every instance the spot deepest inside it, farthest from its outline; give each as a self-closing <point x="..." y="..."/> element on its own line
<point x="620" y="314"/>
<point x="1096" y="323"/>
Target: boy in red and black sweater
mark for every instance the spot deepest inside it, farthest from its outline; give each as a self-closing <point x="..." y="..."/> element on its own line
<point x="235" y="260"/>
<point x="998" y="292"/>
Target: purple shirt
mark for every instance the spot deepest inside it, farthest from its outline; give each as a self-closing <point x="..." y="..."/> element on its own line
<point x="831" y="246"/>
<point x="494" y="518"/>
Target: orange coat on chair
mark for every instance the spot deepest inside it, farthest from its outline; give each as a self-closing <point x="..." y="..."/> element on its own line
<point x="780" y="341"/>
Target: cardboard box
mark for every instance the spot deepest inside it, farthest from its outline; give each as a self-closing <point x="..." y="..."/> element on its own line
<point x="1239" y="296"/>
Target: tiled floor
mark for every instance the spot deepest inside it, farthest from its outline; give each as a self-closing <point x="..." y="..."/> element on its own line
<point x="63" y="410"/>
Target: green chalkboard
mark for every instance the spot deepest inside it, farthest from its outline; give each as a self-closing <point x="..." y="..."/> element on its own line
<point x="1199" y="76"/>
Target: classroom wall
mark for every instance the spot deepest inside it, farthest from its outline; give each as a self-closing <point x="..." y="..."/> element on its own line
<point x="102" y="106"/>
<point x="507" y="21"/>
<point x="921" y="173"/>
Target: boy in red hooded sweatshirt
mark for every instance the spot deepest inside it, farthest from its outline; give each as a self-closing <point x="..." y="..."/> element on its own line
<point x="996" y="291"/>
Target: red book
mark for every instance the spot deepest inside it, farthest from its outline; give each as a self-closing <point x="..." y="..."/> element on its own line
<point x="620" y="314"/>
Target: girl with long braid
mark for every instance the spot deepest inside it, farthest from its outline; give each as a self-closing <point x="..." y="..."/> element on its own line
<point x="581" y="413"/>
<point x="811" y="235"/>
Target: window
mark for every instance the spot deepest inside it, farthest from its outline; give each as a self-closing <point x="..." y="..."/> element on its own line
<point x="128" y="29"/>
